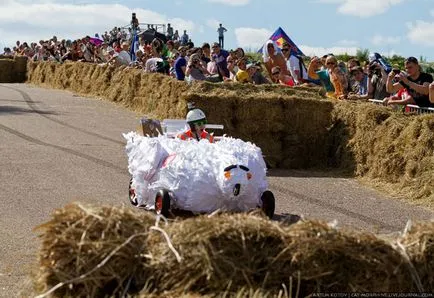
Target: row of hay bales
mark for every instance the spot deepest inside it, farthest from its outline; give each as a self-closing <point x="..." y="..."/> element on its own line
<point x="13" y="69"/>
<point x="103" y="251"/>
<point x="295" y="127"/>
<point x="393" y="150"/>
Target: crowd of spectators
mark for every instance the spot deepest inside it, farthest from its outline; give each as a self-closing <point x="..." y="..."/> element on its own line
<point x="181" y="59"/>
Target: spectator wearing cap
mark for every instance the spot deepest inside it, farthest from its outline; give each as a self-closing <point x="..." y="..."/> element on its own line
<point x="415" y="81"/>
<point x="273" y="57"/>
<point x="256" y="77"/>
<point x="219" y="56"/>
<point x="181" y="64"/>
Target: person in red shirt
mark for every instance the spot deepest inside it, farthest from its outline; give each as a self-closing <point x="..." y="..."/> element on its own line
<point x="196" y="119"/>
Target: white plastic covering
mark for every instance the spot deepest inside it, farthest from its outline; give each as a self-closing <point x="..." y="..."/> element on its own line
<point x="194" y="172"/>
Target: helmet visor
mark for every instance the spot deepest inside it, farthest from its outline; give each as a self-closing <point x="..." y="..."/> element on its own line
<point x="200" y="122"/>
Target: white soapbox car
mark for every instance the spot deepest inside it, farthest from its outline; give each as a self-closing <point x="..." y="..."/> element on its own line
<point x="172" y="176"/>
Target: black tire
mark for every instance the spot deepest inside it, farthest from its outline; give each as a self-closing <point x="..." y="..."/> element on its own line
<point x="268" y="203"/>
<point x="132" y="194"/>
<point x="162" y="203"/>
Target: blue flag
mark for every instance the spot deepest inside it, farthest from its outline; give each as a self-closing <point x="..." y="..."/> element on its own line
<point x="279" y="36"/>
<point x="134" y="46"/>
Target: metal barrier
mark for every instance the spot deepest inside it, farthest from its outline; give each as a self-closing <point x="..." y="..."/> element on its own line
<point x="408" y="108"/>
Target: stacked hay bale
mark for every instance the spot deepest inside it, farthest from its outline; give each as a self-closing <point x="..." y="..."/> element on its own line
<point x="97" y="250"/>
<point x="391" y="149"/>
<point x="100" y="249"/>
<point x="7" y="70"/>
<point x="418" y="241"/>
<point x="20" y="69"/>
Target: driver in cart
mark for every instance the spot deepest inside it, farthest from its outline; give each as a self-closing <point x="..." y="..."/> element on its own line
<point x="196" y="120"/>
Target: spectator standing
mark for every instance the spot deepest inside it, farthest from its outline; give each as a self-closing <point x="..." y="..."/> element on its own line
<point x="416" y="82"/>
<point x="176" y="36"/>
<point x="180" y="64"/>
<point x="219" y="56"/>
<point x="184" y="38"/>
<point x="169" y="32"/>
<point x="221" y="31"/>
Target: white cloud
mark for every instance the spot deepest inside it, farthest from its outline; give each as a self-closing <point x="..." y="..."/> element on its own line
<point x="363" y="8"/>
<point x="32" y="21"/>
<point x="213" y="23"/>
<point x="231" y="2"/>
<point x="321" y="51"/>
<point x="347" y="43"/>
<point x="252" y="37"/>
<point x="380" y="40"/>
<point x="421" y="32"/>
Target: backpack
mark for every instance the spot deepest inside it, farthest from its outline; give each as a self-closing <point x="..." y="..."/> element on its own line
<point x="302" y="66"/>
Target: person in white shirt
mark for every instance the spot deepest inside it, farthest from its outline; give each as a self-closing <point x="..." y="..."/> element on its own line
<point x="124" y="58"/>
<point x="295" y="65"/>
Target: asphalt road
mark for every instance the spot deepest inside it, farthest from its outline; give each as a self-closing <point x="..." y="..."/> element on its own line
<point x="56" y="148"/>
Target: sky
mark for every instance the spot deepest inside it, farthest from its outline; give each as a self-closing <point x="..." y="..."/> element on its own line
<point x="403" y="27"/>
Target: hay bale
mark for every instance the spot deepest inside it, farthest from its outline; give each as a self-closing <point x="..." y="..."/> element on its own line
<point x="78" y="238"/>
<point x="330" y="260"/>
<point x="218" y="253"/>
<point x="7" y="73"/>
<point x="228" y="253"/>
<point x="393" y="150"/>
<point x="419" y="244"/>
<point x="21" y="64"/>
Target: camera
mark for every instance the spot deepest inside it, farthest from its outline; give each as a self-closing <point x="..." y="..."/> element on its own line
<point x="396" y="71"/>
<point x="374" y="68"/>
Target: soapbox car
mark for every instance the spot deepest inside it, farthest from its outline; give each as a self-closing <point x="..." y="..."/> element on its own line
<point x="171" y="176"/>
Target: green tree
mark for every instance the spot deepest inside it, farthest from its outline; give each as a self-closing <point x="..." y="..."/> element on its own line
<point x="362" y="55"/>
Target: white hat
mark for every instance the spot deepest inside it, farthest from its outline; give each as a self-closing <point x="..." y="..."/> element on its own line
<point x="195" y="115"/>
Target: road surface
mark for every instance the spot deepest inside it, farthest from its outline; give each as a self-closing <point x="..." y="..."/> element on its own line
<point x="57" y="148"/>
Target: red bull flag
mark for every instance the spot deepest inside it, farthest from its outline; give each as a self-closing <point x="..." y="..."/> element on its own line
<point x="280" y="37"/>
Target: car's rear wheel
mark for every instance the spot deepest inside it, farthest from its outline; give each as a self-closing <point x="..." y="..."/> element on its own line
<point x="132" y="194"/>
<point x="162" y="203"/>
<point x="268" y="203"/>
